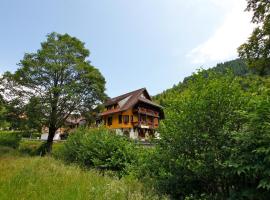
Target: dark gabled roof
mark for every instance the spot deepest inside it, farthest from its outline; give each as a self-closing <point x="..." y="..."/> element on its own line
<point x="115" y="100"/>
<point x="132" y="98"/>
<point x="149" y="102"/>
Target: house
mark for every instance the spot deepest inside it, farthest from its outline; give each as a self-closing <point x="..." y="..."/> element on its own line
<point x="133" y="114"/>
<point x="72" y="122"/>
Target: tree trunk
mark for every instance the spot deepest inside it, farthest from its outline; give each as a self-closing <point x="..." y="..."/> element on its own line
<point x="52" y="130"/>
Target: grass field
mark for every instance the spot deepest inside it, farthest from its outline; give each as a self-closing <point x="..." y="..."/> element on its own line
<point x="25" y="177"/>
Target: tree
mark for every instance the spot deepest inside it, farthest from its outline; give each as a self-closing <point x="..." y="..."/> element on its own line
<point x="33" y="111"/>
<point x="15" y="114"/>
<point x="3" y="112"/>
<point x="256" y="51"/>
<point x="60" y="77"/>
<point x="196" y="136"/>
<point x="260" y="9"/>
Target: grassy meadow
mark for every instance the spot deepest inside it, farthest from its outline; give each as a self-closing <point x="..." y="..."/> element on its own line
<point x="25" y="177"/>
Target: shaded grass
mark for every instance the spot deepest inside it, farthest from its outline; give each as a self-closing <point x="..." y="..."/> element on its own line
<point x="24" y="177"/>
<point x="35" y="147"/>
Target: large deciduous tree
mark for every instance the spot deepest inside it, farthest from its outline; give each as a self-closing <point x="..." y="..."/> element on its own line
<point x="3" y="111"/>
<point x="256" y="51"/>
<point x="60" y="77"/>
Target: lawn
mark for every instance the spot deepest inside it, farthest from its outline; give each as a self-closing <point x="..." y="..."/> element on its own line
<point x="25" y="177"/>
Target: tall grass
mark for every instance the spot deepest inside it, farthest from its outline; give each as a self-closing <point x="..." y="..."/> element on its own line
<point x="46" y="178"/>
<point x="10" y="138"/>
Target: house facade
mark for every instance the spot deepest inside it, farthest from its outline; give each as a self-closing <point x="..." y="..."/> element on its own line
<point x="71" y="123"/>
<point x="133" y="114"/>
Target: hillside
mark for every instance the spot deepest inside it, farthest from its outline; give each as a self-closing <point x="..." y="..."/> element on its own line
<point x="237" y="67"/>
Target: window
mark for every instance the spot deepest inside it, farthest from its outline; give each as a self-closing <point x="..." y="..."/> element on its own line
<point x="120" y="119"/>
<point x="143" y="118"/>
<point x="109" y="121"/>
<point x="126" y="119"/>
<point x="109" y="107"/>
<point x="131" y="118"/>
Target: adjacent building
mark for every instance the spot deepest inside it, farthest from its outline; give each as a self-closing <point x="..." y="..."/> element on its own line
<point x="133" y="114"/>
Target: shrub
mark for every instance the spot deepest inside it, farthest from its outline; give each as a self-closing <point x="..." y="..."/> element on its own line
<point x="215" y="140"/>
<point x="30" y="134"/>
<point x="30" y="147"/>
<point x="9" y="138"/>
<point x="33" y="147"/>
<point x="249" y="161"/>
<point x="196" y="139"/>
<point x="99" y="148"/>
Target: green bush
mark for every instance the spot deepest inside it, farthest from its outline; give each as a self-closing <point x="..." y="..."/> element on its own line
<point x="196" y="136"/>
<point x="249" y="161"/>
<point x="30" y="134"/>
<point x="9" y="138"/>
<point x="30" y="147"/>
<point x="214" y="141"/>
<point x="35" y="147"/>
<point x="101" y="149"/>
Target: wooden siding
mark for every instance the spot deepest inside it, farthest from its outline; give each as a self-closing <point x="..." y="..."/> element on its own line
<point x="151" y="121"/>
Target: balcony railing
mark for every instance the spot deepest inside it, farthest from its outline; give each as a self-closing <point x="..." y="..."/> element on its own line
<point x="146" y="111"/>
<point x="150" y="125"/>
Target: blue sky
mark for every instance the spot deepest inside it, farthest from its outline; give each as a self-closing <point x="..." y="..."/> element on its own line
<point x="135" y="43"/>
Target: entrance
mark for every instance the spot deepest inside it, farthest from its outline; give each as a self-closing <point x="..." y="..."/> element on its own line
<point x="141" y="133"/>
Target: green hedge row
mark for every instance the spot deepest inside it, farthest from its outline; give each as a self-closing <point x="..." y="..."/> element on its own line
<point x="14" y="140"/>
<point x="101" y="149"/>
<point x="10" y="139"/>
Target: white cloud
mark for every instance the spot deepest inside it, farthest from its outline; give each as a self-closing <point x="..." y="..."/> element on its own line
<point x="234" y="31"/>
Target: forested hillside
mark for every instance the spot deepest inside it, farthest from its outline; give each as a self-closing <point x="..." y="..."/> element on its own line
<point x="237" y="67"/>
<point x="215" y="136"/>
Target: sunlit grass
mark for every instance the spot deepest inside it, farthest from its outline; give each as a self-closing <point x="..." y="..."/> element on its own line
<point x="24" y="177"/>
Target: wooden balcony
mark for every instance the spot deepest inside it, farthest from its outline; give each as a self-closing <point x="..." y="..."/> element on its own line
<point x="146" y="111"/>
<point x="144" y="124"/>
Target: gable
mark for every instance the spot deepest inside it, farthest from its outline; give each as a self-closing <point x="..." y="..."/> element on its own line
<point x="128" y="100"/>
<point x="123" y="101"/>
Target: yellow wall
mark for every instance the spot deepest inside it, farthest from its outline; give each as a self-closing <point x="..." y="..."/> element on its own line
<point x="115" y="122"/>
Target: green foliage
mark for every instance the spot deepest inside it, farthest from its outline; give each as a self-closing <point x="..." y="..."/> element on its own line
<point x="3" y="110"/>
<point x="30" y="134"/>
<point x="36" y="147"/>
<point x="237" y="67"/>
<point x="31" y="178"/>
<point x="30" y="147"/>
<point x="195" y="135"/>
<point x="10" y="139"/>
<point x="260" y="9"/>
<point x="33" y="111"/>
<point x="99" y="148"/>
<point x="215" y="139"/>
<point x="60" y="78"/>
<point x="14" y="113"/>
<point x="256" y="50"/>
<point x="250" y="158"/>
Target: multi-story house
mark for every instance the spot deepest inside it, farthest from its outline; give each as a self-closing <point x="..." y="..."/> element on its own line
<point x="133" y="114"/>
